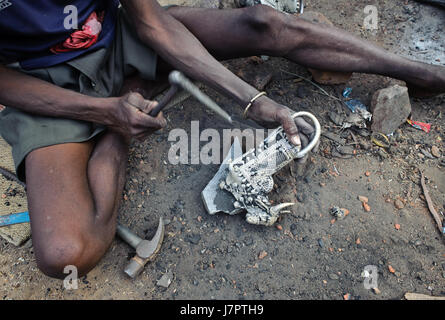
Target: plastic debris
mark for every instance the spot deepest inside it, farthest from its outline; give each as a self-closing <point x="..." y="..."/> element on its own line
<point x="380" y="140"/>
<point x="353" y="104"/>
<point x="356" y="107"/>
<point x="420" y="125"/>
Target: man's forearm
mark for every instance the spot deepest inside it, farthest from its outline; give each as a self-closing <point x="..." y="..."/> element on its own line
<point x="179" y="47"/>
<point x="39" y="97"/>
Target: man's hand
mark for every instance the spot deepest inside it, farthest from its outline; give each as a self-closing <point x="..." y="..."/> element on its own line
<point x="265" y="110"/>
<point x="130" y="117"/>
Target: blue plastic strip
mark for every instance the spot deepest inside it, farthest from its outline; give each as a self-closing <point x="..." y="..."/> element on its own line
<point x="14" y="218"/>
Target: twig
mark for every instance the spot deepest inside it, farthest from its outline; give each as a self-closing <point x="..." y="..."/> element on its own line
<point x="313" y="83"/>
<point x="430" y="203"/>
<point x="11" y="176"/>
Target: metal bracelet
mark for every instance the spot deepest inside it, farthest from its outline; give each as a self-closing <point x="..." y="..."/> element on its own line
<point x="263" y="93"/>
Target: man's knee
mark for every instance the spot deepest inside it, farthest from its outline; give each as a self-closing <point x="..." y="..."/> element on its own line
<point x="269" y="23"/>
<point x="59" y="252"/>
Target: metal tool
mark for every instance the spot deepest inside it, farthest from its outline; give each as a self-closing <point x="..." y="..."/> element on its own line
<point x="180" y="81"/>
<point x="14" y="218"/>
<point x="146" y="250"/>
<point x="244" y="180"/>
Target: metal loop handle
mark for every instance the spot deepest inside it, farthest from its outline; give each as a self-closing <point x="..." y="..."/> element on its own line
<point x="316" y="137"/>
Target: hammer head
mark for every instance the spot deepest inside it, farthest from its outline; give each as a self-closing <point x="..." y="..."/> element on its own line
<point x="175" y="78"/>
<point x="146" y="251"/>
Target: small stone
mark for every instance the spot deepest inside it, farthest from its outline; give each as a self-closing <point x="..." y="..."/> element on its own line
<point x="301" y="197"/>
<point x="321" y="243"/>
<point x="193" y="238"/>
<point x="363" y="199"/>
<point x="248" y="241"/>
<point x="261" y="288"/>
<point x="435" y="151"/>
<point x="333" y="276"/>
<point x="399" y="204"/>
<point x="262" y="255"/>
<point x="391" y="269"/>
<point x="330" y="77"/>
<point x="165" y="280"/>
<point x="376" y="290"/>
<point x="293" y="229"/>
<point x="366" y="207"/>
<point x="302" y="92"/>
<point x="390" y="108"/>
<point x="383" y="154"/>
<point x="336" y="118"/>
<point x="427" y="154"/>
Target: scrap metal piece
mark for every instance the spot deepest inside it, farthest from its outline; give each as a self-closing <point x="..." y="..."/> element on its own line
<point x="338" y="212"/>
<point x="286" y="6"/>
<point x="214" y="200"/>
<point x="245" y="181"/>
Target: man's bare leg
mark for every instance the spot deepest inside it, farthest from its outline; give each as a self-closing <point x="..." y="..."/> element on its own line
<point x="260" y="29"/>
<point x="73" y="195"/>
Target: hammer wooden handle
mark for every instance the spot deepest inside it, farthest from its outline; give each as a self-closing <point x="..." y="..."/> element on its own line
<point x="164" y="101"/>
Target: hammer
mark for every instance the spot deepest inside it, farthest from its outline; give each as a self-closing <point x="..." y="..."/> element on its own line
<point x="146" y="250"/>
<point x="179" y="80"/>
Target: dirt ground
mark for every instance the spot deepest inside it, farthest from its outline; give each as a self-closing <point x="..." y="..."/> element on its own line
<point x="312" y="256"/>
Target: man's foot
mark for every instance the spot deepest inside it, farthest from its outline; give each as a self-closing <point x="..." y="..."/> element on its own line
<point x="429" y="83"/>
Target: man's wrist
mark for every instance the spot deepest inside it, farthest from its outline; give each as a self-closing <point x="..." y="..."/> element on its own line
<point x="101" y="110"/>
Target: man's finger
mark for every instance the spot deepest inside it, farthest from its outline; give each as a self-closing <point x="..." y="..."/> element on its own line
<point x="136" y="100"/>
<point x="304" y="159"/>
<point x="289" y="127"/>
<point x="147" y="121"/>
<point x="148" y="106"/>
<point x="315" y="149"/>
<point x="304" y="126"/>
<point x="304" y="140"/>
